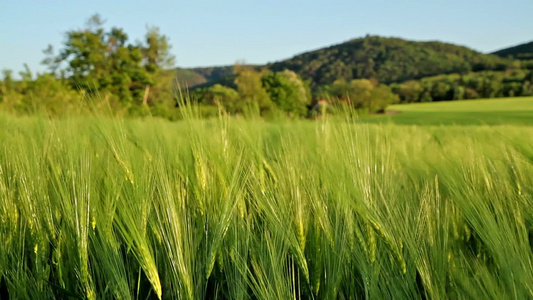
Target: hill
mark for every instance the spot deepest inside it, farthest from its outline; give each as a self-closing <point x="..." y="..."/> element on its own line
<point x="388" y="60"/>
<point x="189" y="77"/>
<point x="522" y="51"/>
<point x="207" y="76"/>
<point x="385" y="59"/>
<point x="198" y="76"/>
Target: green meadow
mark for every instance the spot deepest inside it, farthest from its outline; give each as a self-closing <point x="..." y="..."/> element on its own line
<point x="105" y="208"/>
<point x="516" y="111"/>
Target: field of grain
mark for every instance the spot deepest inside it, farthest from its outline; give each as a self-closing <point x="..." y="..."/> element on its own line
<point x="96" y="208"/>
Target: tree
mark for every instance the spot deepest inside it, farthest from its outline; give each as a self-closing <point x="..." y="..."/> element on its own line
<point x="8" y="83"/>
<point x="441" y="91"/>
<point x="288" y="92"/>
<point x="220" y="95"/>
<point x="250" y="87"/>
<point x="458" y="92"/>
<point x="409" y="91"/>
<point x="157" y="59"/>
<point x="51" y="60"/>
<point x="26" y="78"/>
<point x="381" y="97"/>
<point x="363" y="94"/>
<point x="156" y="53"/>
<point x="84" y="52"/>
<point x="103" y="61"/>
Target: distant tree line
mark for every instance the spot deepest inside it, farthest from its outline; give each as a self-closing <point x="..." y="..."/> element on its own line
<point x="286" y="92"/>
<point x="137" y="79"/>
<point x="372" y="72"/>
<point x="364" y="74"/>
<point x="487" y="84"/>
<point x="33" y="93"/>
<point x="266" y="91"/>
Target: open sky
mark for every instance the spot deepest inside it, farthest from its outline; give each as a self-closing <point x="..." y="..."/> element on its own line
<point x="215" y="32"/>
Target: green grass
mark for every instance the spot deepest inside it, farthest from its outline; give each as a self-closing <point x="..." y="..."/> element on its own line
<point x="518" y="111"/>
<point x="98" y="208"/>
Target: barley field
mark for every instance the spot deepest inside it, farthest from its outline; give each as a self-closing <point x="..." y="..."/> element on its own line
<point x="103" y="208"/>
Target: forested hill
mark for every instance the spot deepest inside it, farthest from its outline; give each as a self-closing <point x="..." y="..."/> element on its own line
<point x="195" y="77"/>
<point x="523" y="51"/>
<point x="198" y="76"/>
<point x="388" y="60"/>
<point x="385" y="59"/>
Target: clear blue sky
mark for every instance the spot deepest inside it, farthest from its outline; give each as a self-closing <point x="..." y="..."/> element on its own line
<point x="215" y="32"/>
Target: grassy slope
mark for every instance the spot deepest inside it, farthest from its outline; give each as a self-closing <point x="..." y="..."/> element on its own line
<point x="234" y="209"/>
<point x="518" y="111"/>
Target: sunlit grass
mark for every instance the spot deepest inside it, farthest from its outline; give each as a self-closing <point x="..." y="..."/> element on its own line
<point x="246" y="209"/>
<point x="502" y="111"/>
